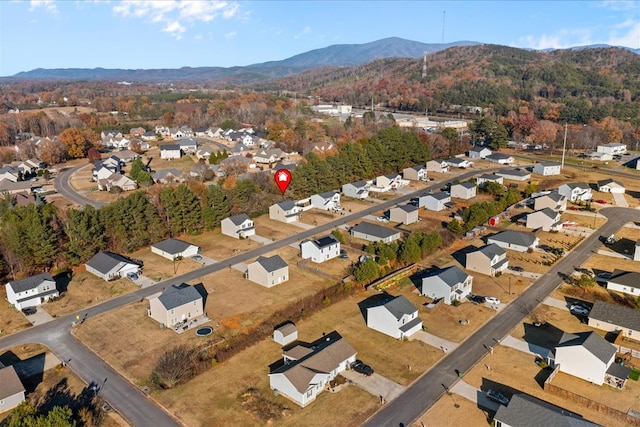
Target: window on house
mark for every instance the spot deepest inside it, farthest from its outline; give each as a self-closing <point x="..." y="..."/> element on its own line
<point x="173" y="311"/>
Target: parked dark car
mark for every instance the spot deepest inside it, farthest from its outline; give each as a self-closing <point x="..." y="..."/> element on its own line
<point x="132" y="276"/>
<point x="362" y="368"/>
<point x="343" y="254"/>
<point x="478" y="299"/>
<point x="29" y="310"/>
<point x="516" y="268"/>
<point x="497" y="397"/>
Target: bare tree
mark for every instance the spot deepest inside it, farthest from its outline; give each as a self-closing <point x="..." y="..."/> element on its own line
<point x="175" y="365"/>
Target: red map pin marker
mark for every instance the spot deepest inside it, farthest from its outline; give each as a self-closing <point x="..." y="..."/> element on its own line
<point x="283" y="179"/>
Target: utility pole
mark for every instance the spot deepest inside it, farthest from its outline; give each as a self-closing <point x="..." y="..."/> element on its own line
<point x="564" y="146"/>
<point x="444" y="13"/>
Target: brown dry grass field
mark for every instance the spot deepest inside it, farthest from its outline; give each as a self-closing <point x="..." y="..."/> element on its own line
<point x="85" y="290"/>
<point x="160" y="268"/>
<point x="218" y="246"/>
<point x="513" y="370"/>
<point x="274" y="230"/>
<point x="445" y="411"/>
<point x="11" y="320"/>
<point x="22" y="352"/>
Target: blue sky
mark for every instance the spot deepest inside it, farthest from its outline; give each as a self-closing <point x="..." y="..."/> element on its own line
<point x="173" y="33"/>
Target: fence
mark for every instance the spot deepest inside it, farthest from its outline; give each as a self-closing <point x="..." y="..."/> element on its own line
<point x="395" y="276"/>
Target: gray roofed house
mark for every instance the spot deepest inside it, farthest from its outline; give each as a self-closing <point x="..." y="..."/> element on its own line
<point x="552" y="200"/>
<point x="613" y="317"/>
<point x="450" y="283"/>
<point x="464" y="190"/>
<point x="489" y="177"/>
<point x="268" y="271"/>
<point x="170" y="151"/>
<point x="546" y="219"/>
<point x="501" y="158"/>
<point x="576" y="191"/>
<point x="627" y="282"/>
<point x="11" y="388"/>
<point x="304" y="374"/>
<point x="479" y="152"/>
<point x="374" y="232"/>
<point x="514" y="174"/>
<point x="527" y="411"/>
<point x="397" y="318"/>
<point x="286" y="211"/>
<point x="610" y="186"/>
<point x="31" y="291"/>
<point x="177" y="304"/>
<point x="10" y="187"/>
<point x="488" y="260"/>
<point x="174" y="248"/>
<point x="168" y="176"/>
<point x="108" y="266"/>
<point x="321" y="249"/>
<point x="415" y="173"/>
<point x="357" y="190"/>
<point x="238" y="226"/>
<point x="434" y="201"/>
<point x="328" y="201"/>
<point x="585" y="355"/>
<point x="546" y="168"/>
<point x="404" y="214"/>
<point x="514" y="240"/>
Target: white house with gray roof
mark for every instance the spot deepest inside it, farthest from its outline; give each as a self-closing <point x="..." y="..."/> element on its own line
<point x="356" y="190"/>
<point x="415" y="173"/>
<point x="450" y="283"/>
<point x="479" y="152"/>
<point x="464" y="190"/>
<point x="545" y="219"/>
<point x="174" y="248"/>
<point x="321" y="249"/>
<point x="585" y="355"/>
<point x="404" y="214"/>
<point x="610" y="186"/>
<point x="177" y="304"/>
<point x="500" y="158"/>
<point x="268" y="271"/>
<point x="613" y="148"/>
<point x="374" y="232"/>
<point x="11" y="388"/>
<point x="489" y="260"/>
<point x="305" y="370"/>
<point x="459" y="162"/>
<point x="286" y="211"/>
<point x="238" y="226"/>
<point x="328" y="201"/>
<point x="437" y="166"/>
<point x="545" y="168"/>
<point x="168" y="176"/>
<point x="434" y="201"/>
<point x="170" y="151"/>
<point x="489" y="177"/>
<point x="397" y="318"/>
<point x="514" y="240"/>
<point x="576" y="191"/>
<point x="388" y="182"/>
<point x="514" y="174"/>
<point x="31" y="291"/>
<point x="552" y="200"/>
<point x="109" y="266"/>
<point x="267" y="156"/>
<point x="627" y="282"/>
<point x="613" y="317"/>
<point x="527" y="411"/>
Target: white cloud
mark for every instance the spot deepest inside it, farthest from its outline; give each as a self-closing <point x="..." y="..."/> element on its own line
<point x="305" y="31"/>
<point x="230" y="34"/>
<point x="618" y="4"/>
<point x="625" y="34"/>
<point x="176" y="15"/>
<point x="48" y="5"/>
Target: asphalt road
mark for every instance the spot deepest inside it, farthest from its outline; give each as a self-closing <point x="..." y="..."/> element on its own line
<point x="425" y="391"/>
<point x="63" y="186"/>
<point x="120" y="393"/>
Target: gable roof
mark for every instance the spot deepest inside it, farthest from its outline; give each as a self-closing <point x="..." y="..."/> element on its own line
<point x="358" y="184"/>
<point x="456" y="160"/>
<point x="325" y="241"/>
<point x="163" y="174"/>
<point x="271" y="264"/>
<point x="624" y="317"/>
<point x="400" y="306"/>
<point x="525" y="410"/>
<point x="468" y="185"/>
<point x="546" y="163"/>
<point x="626" y="278"/>
<point x="592" y="342"/>
<point x="512" y="172"/>
<point x="554" y="195"/>
<point x="514" y="237"/>
<point x="374" y="230"/>
<point x="169" y="147"/>
<point x="498" y="156"/>
<point x="547" y="212"/>
<point x="104" y="262"/>
<point x="239" y="219"/>
<point x="10" y="381"/>
<point x="408" y="208"/>
<point x="450" y="276"/>
<point x="172" y="246"/>
<point x="327" y="194"/>
<point x="440" y="195"/>
<point x="417" y="168"/>
<point x="490" y="177"/>
<point x="286" y="205"/>
<point x="490" y="250"/>
<point x="479" y="148"/>
<point x="609" y="181"/>
<point x="176" y="296"/>
<point x="580" y="185"/>
<point x="29" y="282"/>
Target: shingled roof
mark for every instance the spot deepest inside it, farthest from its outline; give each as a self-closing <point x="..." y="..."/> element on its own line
<point x="177" y="296"/>
<point x="271" y="264"/>
<point x="615" y="314"/>
<point x="29" y="282"/>
<point x="172" y="246"/>
<point x="592" y="342"/>
<point x="525" y="410"/>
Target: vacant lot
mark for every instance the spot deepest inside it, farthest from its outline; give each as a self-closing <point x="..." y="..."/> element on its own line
<point x="218" y="246"/>
<point x="11" y="320"/>
<point x="274" y="230"/>
<point x="457" y="411"/>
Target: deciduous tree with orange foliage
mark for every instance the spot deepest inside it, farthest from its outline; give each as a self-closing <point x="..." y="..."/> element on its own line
<point x="77" y="141"/>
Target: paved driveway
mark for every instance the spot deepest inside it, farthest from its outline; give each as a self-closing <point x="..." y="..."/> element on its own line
<point x="434" y="341"/>
<point x="144" y="281"/>
<point x="475" y="395"/>
<point x="376" y="384"/>
<point x="620" y="200"/>
<point x="41" y="316"/>
<point x="524" y="346"/>
<point x="260" y="239"/>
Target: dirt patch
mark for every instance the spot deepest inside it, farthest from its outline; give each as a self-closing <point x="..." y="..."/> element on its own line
<point x="457" y="411"/>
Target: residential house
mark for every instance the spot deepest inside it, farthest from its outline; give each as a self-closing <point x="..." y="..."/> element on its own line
<point x="613" y="318"/>
<point x="415" y="173"/>
<point x="102" y="172"/>
<point x="168" y="176"/>
<point x="31" y="291"/>
<point x="576" y="192"/>
<point x="109" y="266"/>
<point x="236" y="165"/>
<point x="438" y="166"/>
<point x="238" y="226"/>
<point x="200" y="132"/>
<point x="268" y="271"/>
<point x="112" y="133"/>
<point x="188" y="145"/>
<point x="374" y="232"/>
<point x="329" y="201"/>
<point x="389" y="182"/>
<point x="514" y="174"/>
<point x="11" y="390"/>
<point x="149" y="136"/>
<point x="117" y="180"/>
<point x="479" y="152"/>
<point x="9" y="173"/>
<point x="125" y="156"/>
<point x="137" y="132"/>
<point x="281" y="165"/>
<point x="489" y="260"/>
<point x="356" y="190"/>
<point x="610" y="186"/>
<point x="636" y="251"/>
<point x="322" y="148"/>
<point x="163" y="130"/>
<point x="459" y="162"/>
<point x="268" y="156"/>
<point x="546" y="219"/>
<point x="404" y="214"/>
<point x="500" y="158"/>
<point x="552" y="200"/>
<point x="173" y="249"/>
<point x="11" y="187"/>
<point x="588" y="356"/>
<point x="239" y="150"/>
<point x="181" y="132"/>
<point x="206" y="151"/>
<point x="449" y="283"/>
<point x="176" y="305"/>
<point x="514" y="240"/>
<point x="464" y="190"/>
<point x="214" y="132"/>
<point x="170" y="151"/>
<point x="285" y="334"/>
<point x="596" y="156"/>
<point x="527" y="411"/>
<point x="396" y="317"/>
<point x="489" y="177"/>
<point x="545" y="168"/>
<point x="627" y="282"/>
<point x="435" y="201"/>
<point x="320" y="250"/>
<point x="285" y="211"/>
<point x="613" y="148"/>
<point x="307" y="369"/>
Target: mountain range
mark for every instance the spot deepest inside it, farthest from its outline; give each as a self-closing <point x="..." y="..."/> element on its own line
<point x="340" y="55"/>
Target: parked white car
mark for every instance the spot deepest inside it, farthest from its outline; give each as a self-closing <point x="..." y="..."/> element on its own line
<point x="492" y="300"/>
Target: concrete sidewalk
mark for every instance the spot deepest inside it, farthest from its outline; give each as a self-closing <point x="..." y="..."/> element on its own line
<point x="376" y="384"/>
<point x="557" y="303"/>
<point x="613" y="254"/>
<point x="241" y="267"/>
<point x="434" y="341"/>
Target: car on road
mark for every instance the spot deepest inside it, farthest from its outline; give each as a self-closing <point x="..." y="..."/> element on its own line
<point x="478" y="299"/>
<point x="496" y="396"/>
<point x="516" y="268"/>
<point x="492" y="300"/>
<point x="579" y="309"/>
<point x="382" y="219"/>
<point x="29" y="310"/>
<point x="132" y="276"/>
<point x="362" y="368"/>
<point x="197" y="258"/>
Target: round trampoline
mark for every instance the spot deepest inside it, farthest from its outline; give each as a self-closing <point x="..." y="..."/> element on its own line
<point x="204" y="331"/>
